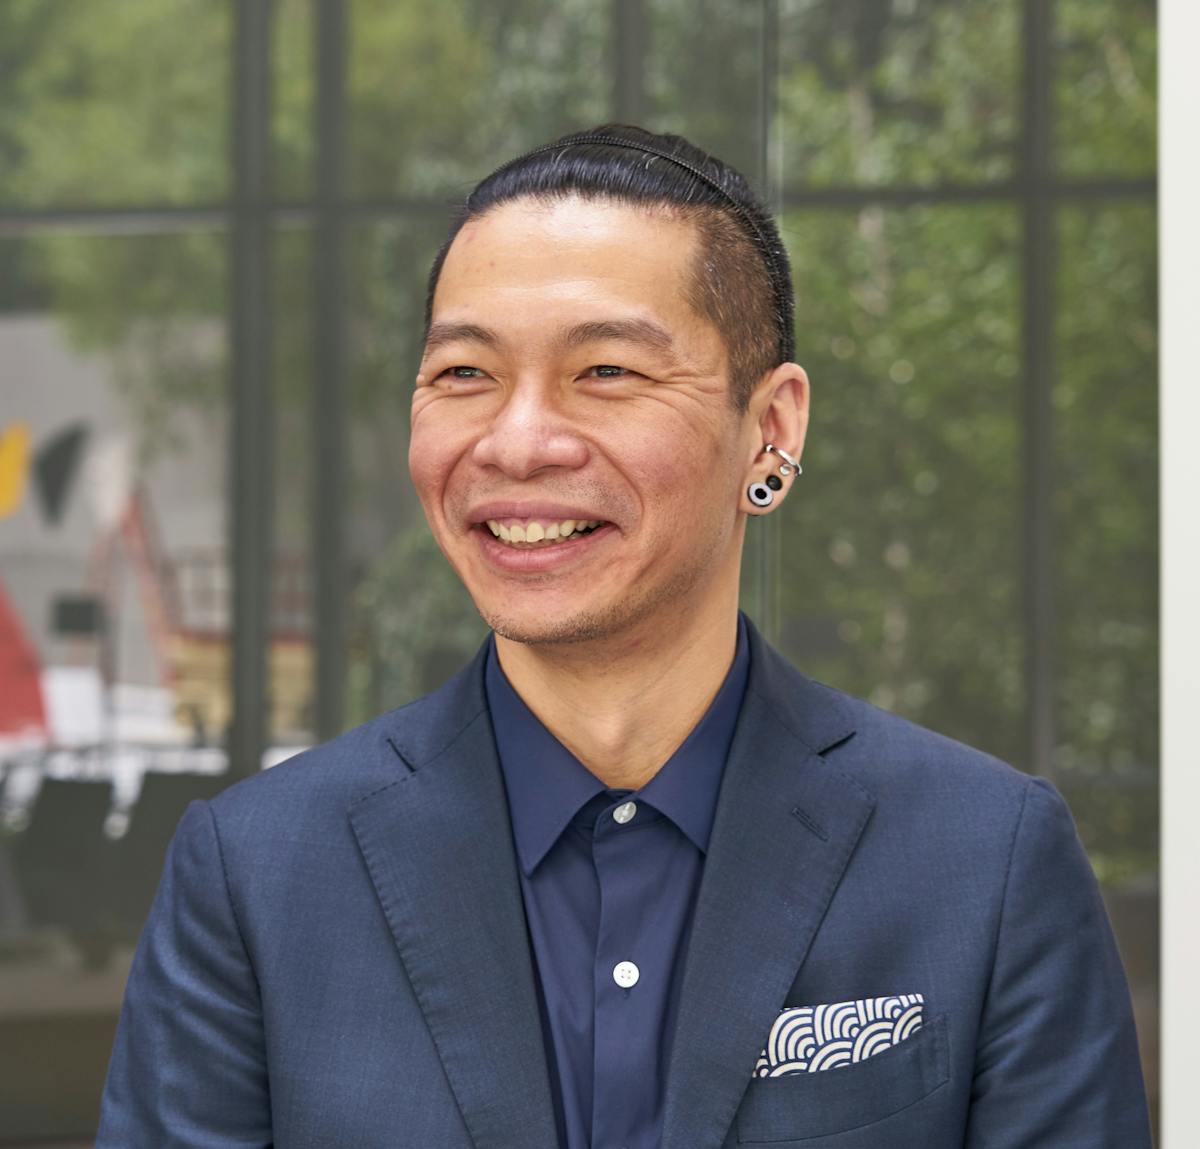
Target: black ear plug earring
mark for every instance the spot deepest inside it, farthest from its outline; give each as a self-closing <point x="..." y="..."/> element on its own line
<point x="763" y="494"/>
<point x="760" y="494"/>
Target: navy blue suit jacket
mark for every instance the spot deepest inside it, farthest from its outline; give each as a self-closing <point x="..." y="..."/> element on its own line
<point x="337" y="953"/>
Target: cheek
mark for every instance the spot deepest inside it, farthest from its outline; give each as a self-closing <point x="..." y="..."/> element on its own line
<point x="688" y="478"/>
<point x="431" y="459"/>
<point x="662" y="442"/>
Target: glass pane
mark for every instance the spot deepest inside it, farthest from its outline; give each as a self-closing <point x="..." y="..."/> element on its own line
<point x="704" y="76"/>
<point x="912" y="92"/>
<point x="293" y="90"/>
<point x="414" y="623"/>
<point x="900" y="577"/>
<point x="441" y="91"/>
<point x="114" y="583"/>
<point x="290" y="659"/>
<point x="1106" y="535"/>
<point x="114" y="103"/>
<point x="703" y="80"/>
<point x="1105" y="86"/>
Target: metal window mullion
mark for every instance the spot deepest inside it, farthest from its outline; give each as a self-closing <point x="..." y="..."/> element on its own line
<point x="1038" y="310"/>
<point x="252" y="431"/>
<point x="770" y="528"/>
<point x="165" y="218"/>
<point x="328" y="545"/>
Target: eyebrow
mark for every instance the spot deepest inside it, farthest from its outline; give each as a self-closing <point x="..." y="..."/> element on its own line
<point x="440" y="334"/>
<point x="644" y="331"/>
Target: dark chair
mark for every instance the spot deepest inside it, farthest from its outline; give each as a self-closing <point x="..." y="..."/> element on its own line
<point x="61" y="860"/>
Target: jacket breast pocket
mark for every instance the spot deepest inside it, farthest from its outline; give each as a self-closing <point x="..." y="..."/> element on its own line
<point x="796" y="1106"/>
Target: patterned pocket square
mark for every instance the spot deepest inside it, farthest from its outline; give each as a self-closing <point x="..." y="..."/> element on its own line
<point x="809" y="1038"/>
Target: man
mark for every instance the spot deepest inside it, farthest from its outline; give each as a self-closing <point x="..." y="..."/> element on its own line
<point x="629" y="879"/>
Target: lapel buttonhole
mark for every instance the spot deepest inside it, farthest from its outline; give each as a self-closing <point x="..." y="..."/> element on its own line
<point x="811" y="822"/>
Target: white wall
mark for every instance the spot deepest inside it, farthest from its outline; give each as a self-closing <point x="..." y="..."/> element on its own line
<point x="1179" y="246"/>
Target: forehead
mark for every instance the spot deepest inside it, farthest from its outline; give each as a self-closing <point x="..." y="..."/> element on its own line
<point x="571" y="255"/>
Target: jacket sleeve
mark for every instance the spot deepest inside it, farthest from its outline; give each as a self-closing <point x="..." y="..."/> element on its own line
<point x="1056" y="1066"/>
<point x="188" y="1066"/>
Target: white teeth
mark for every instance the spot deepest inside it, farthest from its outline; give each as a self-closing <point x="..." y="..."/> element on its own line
<point x="517" y="533"/>
<point x="505" y="533"/>
<point x="494" y="527"/>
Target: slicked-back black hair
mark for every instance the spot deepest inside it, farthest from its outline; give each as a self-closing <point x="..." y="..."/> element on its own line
<point x="742" y="277"/>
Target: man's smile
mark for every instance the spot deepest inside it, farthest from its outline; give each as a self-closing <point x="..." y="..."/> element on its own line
<point x="520" y="553"/>
<point x="525" y="525"/>
<point x="532" y="532"/>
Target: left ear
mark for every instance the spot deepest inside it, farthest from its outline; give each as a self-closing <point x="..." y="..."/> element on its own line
<point x="777" y="413"/>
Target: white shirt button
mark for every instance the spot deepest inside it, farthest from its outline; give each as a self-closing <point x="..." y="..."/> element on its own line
<point x="624" y="813"/>
<point x="625" y="974"/>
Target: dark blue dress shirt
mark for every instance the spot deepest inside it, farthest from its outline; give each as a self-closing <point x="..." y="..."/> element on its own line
<point x="609" y="879"/>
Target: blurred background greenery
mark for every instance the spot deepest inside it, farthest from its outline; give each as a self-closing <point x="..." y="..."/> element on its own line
<point x="203" y="199"/>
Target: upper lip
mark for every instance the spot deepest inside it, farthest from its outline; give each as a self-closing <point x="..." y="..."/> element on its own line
<point x="545" y="512"/>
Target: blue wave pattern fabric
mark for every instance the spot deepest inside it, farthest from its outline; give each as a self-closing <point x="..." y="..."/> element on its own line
<point x="810" y="1038"/>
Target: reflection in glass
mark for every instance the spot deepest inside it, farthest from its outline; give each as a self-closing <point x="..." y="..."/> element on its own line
<point x="703" y="76"/>
<point x="1106" y="592"/>
<point x="1105" y="87"/>
<point x="916" y="94"/>
<point x="907" y="325"/>
<point x="122" y="102"/>
<point x="413" y="623"/>
<point x="295" y="456"/>
<point x="1106" y="519"/>
<point x="114" y="585"/>
<point x="899" y="561"/>
<point x="442" y="91"/>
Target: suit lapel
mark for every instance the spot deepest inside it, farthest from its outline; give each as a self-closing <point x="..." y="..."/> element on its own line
<point x="786" y="824"/>
<point x="438" y="846"/>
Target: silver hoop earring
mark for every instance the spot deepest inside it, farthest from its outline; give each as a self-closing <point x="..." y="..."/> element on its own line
<point x="760" y="494"/>
<point x="789" y="464"/>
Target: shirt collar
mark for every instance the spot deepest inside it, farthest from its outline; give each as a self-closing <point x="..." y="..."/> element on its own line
<point x="546" y="784"/>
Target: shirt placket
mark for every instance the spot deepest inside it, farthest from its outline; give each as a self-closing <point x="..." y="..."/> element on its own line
<point x="626" y="978"/>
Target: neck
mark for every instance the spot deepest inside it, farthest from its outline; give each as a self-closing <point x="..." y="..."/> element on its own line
<point x="623" y="704"/>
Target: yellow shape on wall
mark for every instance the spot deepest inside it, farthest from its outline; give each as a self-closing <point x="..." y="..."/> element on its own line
<point x="14" y="466"/>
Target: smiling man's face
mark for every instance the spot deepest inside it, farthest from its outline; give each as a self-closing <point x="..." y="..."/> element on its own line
<point x="567" y="380"/>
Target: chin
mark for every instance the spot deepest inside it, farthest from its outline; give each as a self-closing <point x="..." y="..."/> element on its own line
<point x="571" y="622"/>
<point x="536" y="628"/>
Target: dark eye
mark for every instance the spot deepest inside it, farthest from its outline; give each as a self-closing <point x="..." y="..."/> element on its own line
<point x="463" y="372"/>
<point x="609" y="371"/>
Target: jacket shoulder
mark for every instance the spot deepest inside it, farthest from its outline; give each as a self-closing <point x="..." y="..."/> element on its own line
<point x="365" y="758"/>
<point x="887" y="749"/>
<point x="932" y="792"/>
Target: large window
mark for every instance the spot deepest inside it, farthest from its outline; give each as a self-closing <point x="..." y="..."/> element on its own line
<point x="215" y="223"/>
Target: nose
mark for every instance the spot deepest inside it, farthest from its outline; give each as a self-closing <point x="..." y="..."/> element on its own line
<point x="529" y="433"/>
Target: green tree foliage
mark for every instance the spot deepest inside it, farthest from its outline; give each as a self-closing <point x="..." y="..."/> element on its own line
<point x="114" y="102"/>
<point x="1105" y="511"/>
<point x="902" y="554"/>
<point x="1106" y="87"/>
<point x="910" y="92"/>
<point x="907" y="322"/>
